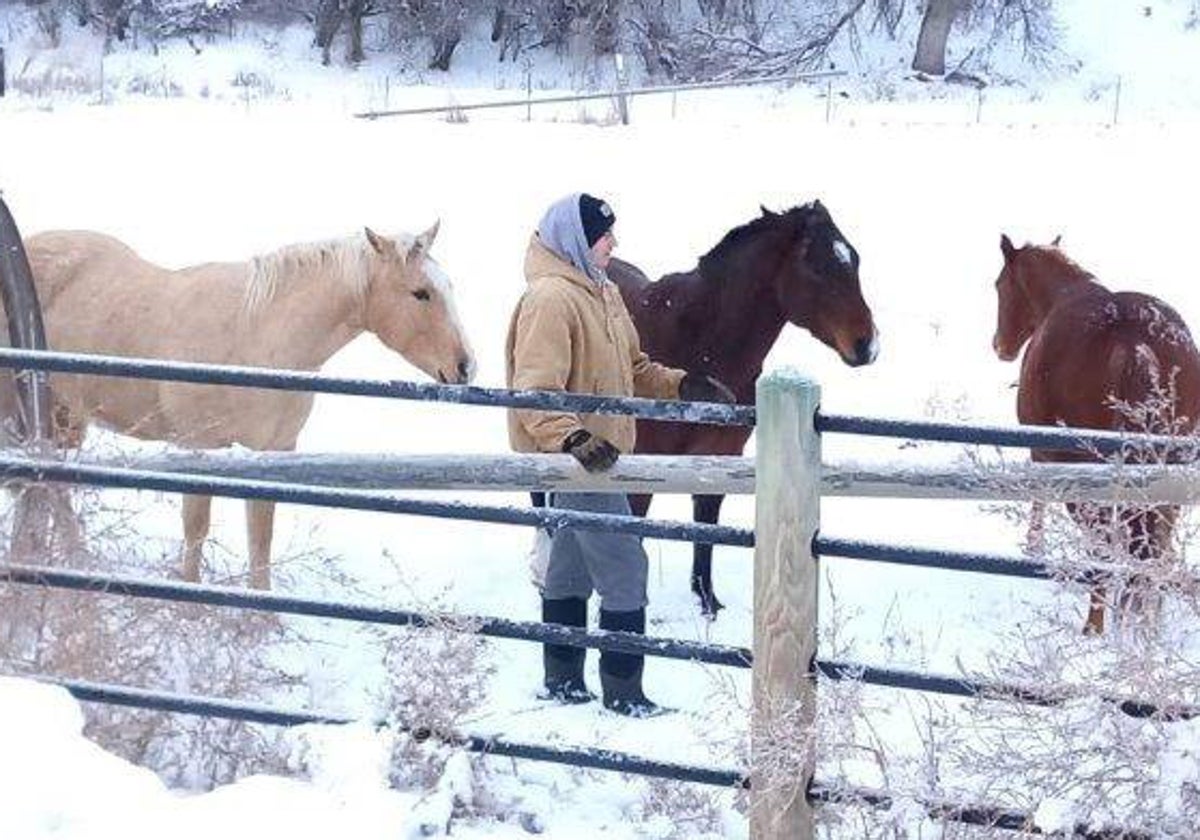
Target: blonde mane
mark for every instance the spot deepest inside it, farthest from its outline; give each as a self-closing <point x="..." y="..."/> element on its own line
<point x="343" y="261"/>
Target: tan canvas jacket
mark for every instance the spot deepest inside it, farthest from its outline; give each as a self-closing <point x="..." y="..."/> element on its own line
<point x="570" y="334"/>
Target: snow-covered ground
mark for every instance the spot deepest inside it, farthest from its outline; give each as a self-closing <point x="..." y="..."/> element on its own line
<point x="922" y="179"/>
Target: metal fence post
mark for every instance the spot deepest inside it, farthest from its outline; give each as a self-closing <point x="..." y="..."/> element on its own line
<point x="787" y="499"/>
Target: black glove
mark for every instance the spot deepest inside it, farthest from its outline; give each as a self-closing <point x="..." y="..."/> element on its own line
<point x="594" y="452"/>
<point x="700" y="387"/>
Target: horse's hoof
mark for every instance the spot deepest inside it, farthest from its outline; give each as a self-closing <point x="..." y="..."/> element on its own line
<point x="709" y="607"/>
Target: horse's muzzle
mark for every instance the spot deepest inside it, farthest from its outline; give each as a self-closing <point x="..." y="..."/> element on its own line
<point x="463" y="373"/>
<point x="865" y="351"/>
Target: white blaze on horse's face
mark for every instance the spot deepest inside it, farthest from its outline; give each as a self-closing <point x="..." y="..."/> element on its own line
<point x="410" y="307"/>
<point x="843" y="253"/>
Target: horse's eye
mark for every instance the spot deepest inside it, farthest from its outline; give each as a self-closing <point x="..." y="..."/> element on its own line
<point x="421" y="294"/>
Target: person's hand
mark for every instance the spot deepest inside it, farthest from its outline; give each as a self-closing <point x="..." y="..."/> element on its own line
<point x="700" y="387"/>
<point x="594" y="452"/>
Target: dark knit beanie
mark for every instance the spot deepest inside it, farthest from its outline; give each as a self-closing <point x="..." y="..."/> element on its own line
<point x="597" y="217"/>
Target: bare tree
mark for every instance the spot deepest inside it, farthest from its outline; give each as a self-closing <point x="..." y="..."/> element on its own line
<point x="939" y="16"/>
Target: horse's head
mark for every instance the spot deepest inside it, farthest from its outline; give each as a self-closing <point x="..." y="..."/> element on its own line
<point x="817" y="284"/>
<point x="1016" y="315"/>
<point x="410" y="306"/>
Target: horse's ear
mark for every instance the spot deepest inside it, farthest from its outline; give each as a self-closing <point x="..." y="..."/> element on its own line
<point x="1006" y="247"/>
<point x="1057" y="241"/>
<point x="425" y="240"/>
<point x="765" y="211"/>
<point x="381" y="244"/>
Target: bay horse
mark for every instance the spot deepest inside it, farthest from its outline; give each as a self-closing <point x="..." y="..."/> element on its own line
<point x="723" y="317"/>
<point x="292" y="309"/>
<point x="1091" y="355"/>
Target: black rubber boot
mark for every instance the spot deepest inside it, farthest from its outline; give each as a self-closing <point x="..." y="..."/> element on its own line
<point x="563" y="663"/>
<point x="621" y="673"/>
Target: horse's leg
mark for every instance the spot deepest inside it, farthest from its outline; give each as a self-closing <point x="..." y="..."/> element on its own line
<point x="197" y="513"/>
<point x="639" y="503"/>
<point x="1094" y="625"/>
<point x="706" y="509"/>
<point x="1035" y="536"/>
<point x="260" y="519"/>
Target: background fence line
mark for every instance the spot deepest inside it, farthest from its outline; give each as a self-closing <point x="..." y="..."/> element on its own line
<point x="616" y="93"/>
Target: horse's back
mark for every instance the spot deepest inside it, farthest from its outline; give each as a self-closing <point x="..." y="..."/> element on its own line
<point x="60" y="259"/>
<point x="1099" y="348"/>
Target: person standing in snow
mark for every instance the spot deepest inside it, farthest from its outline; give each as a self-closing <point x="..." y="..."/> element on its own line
<point x="571" y="332"/>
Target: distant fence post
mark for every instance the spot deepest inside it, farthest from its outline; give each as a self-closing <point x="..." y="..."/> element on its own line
<point x="787" y="499"/>
<point x="622" y="83"/>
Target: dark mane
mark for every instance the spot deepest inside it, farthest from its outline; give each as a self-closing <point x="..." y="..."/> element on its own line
<point x="794" y="217"/>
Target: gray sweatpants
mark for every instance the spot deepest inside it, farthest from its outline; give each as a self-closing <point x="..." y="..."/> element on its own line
<point x="614" y="565"/>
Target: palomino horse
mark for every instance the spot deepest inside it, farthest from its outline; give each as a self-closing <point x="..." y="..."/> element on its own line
<point x="1092" y="354"/>
<point x="723" y="317"/>
<point x="291" y="309"/>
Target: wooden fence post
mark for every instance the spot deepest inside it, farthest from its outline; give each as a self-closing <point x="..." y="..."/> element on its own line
<point x="787" y="500"/>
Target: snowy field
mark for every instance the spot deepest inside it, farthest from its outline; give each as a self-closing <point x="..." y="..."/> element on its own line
<point x="922" y="187"/>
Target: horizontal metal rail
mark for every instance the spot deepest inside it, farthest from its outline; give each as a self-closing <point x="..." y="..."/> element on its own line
<point x="955" y="561"/>
<point x="594" y="759"/>
<point x="221" y="596"/>
<point x="610" y="94"/>
<point x="1025" y="437"/>
<point x="986" y="564"/>
<point x="990" y="816"/>
<point x="953" y="686"/>
<point x="279" y="380"/>
<point x="32" y="469"/>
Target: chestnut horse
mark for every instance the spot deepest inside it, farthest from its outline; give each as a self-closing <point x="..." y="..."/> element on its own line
<point x="723" y="317"/>
<point x="292" y="309"/>
<point x="1092" y="354"/>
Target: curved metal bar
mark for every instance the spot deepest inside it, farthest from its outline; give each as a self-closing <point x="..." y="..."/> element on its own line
<point x="25" y="329"/>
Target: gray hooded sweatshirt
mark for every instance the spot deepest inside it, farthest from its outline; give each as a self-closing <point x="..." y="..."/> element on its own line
<point x="561" y="230"/>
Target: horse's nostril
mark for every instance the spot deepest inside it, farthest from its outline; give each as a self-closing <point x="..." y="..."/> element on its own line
<point x="464" y="370"/>
<point x="864" y="351"/>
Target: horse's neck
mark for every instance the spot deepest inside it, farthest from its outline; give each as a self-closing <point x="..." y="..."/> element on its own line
<point x="303" y="323"/>
<point x="745" y="320"/>
<point x="1062" y="283"/>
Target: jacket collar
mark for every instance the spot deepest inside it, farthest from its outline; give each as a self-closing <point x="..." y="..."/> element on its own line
<point x="540" y="262"/>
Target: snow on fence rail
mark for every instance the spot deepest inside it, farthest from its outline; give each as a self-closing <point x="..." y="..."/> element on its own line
<point x="788" y="479"/>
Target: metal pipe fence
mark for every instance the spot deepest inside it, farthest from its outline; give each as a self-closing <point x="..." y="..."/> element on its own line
<point x="985" y="816"/>
<point x="1183" y="447"/>
<point x="500" y="628"/>
<point x="315" y="383"/>
<point x="589" y="758"/>
<point x="785" y="492"/>
<point x="971" y="688"/>
<point x="38" y="470"/>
